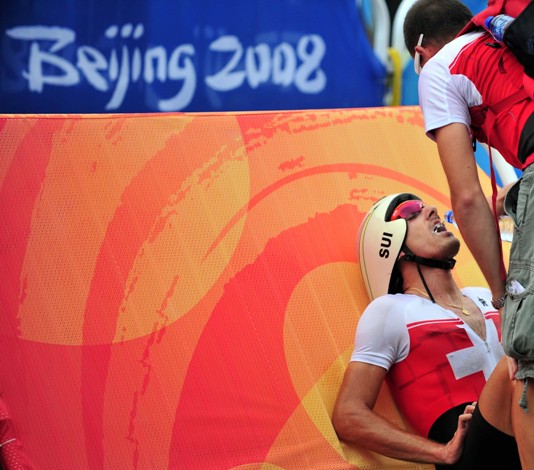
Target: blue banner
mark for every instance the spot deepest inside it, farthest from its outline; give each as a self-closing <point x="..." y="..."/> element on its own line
<point x="96" y="56"/>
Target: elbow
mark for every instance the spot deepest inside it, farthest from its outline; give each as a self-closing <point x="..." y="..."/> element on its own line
<point x="340" y="424"/>
<point x="467" y="201"/>
<point x="463" y="199"/>
<point x="346" y="424"/>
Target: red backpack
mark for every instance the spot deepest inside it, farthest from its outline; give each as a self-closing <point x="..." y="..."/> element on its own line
<point x="511" y="8"/>
<point x="518" y="37"/>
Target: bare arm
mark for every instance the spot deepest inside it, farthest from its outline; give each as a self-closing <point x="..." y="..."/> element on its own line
<point x="471" y="211"/>
<point x="355" y="421"/>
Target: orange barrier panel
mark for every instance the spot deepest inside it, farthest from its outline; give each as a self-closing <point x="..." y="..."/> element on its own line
<point x="181" y="290"/>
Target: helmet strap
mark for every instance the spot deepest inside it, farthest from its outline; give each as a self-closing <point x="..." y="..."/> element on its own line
<point x="432" y="263"/>
<point x="425" y="284"/>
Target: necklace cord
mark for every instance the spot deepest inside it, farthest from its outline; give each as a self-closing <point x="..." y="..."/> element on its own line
<point x="460" y="307"/>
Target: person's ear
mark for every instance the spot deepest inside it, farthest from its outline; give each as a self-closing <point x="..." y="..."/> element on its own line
<point x="420" y="50"/>
<point x="426" y="52"/>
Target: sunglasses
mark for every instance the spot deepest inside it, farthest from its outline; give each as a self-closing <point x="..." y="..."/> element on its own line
<point x="407" y="209"/>
<point x="417" y="57"/>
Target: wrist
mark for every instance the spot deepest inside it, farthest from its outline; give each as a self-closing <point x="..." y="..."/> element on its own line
<point x="498" y="302"/>
<point x="447" y="455"/>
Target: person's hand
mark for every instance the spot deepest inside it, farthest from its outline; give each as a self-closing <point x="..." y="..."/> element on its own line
<point x="512" y="367"/>
<point x="501" y="194"/>
<point x="454" y="447"/>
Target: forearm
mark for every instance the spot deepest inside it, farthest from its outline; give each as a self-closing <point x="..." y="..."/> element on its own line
<point x="355" y="421"/>
<point x="471" y="211"/>
<point x="368" y="429"/>
<point x="477" y="226"/>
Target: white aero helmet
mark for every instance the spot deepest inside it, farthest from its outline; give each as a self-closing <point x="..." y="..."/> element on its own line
<point x="380" y="242"/>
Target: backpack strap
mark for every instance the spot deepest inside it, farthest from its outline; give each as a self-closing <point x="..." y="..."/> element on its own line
<point x="505" y="103"/>
<point x="495" y="216"/>
<point x="493" y="113"/>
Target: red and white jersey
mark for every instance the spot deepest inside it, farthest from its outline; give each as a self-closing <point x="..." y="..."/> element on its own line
<point x="464" y="77"/>
<point x="435" y="360"/>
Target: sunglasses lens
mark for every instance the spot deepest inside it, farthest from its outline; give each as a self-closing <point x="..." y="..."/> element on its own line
<point x="407" y="209"/>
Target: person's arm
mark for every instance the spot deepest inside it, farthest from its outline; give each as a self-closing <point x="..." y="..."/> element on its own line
<point x="471" y="211"/>
<point x="355" y="421"/>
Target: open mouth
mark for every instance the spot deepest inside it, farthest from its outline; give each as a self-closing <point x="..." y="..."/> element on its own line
<point x="439" y="227"/>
